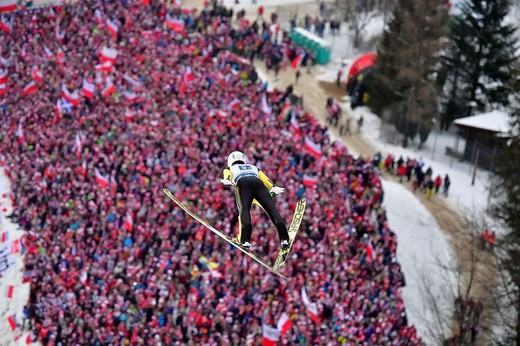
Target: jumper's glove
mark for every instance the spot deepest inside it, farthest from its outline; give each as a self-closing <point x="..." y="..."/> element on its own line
<point x="226" y="182"/>
<point x="277" y="190"/>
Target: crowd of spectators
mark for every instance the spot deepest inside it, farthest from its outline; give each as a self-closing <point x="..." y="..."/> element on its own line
<point x="110" y="260"/>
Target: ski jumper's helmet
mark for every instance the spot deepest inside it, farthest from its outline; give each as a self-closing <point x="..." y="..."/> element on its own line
<point x="235" y="157"/>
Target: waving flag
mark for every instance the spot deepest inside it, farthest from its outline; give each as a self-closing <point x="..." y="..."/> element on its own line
<point x="48" y="52"/>
<point x="106" y="66"/>
<point x="109" y="88"/>
<point x="130" y="96"/>
<point x="129" y="221"/>
<point x="312" y="308"/>
<point x="6" y="26"/>
<point x="112" y="27"/>
<point x="78" y="145"/>
<point x="88" y="89"/>
<point x="8" y="5"/>
<point x="83" y="169"/>
<point x="135" y="82"/>
<point x="3" y="89"/>
<point x="58" y="112"/>
<point x="188" y="74"/>
<point x="309" y="180"/>
<point x="129" y="114"/>
<point x="285" y="112"/>
<point x="234" y="104"/>
<point x="270" y="335"/>
<point x="60" y="57"/>
<point x="284" y="323"/>
<point x="113" y="186"/>
<point x="30" y="88"/>
<point x="175" y="24"/>
<point x="265" y="107"/>
<point x="295" y="127"/>
<point x="108" y="54"/>
<point x="312" y="148"/>
<point x="3" y="76"/>
<point x="97" y="17"/>
<point x="37" y="75"/>
<point x="70" y="97"/>
<point x="101" y="179"/>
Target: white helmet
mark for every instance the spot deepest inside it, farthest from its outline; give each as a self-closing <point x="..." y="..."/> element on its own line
<point x="235" y="157"/>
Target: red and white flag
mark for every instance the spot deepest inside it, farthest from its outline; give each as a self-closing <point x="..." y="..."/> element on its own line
<point x="71" y="97"/>
<point x="284" y="323"/>
<point x="5" y="25"/>
<point x="78" y="145"/>
<point x="112" y="27"/>
<point x="30" y="88"/>
<point x="15" y="246"/>
<point x="188" y="74"/>
<point x="83" y="169"/>
<point x="37" y="75"/>
<point x="312" y="308"/>
<point x="129" y="221"/>
<point x="97" y="17"/>
<point x="312" y="148"/>
<point x="4" y="236"/>
<point x="295" y="127"/>
<point x="309" y="180"/>
<point x="130" y="96"/>
<point x="113" y="186"/>
<point x="9" y="291"/>
<point x="175" y="24"/>
<point x="48" y="52"/>
<point x="270" y="335"/>
<point x="108" y="54"/>
<point x="3" y="76"/>
<point x="60" y="35"/>
<point x="20" y="133"/>
<point x="88" y="89"/>
<point x="135" y="82"/>
<point x="265" y="107"/>
<point x="234" y="104"/>
<point x="101" y="179"/>
<point x="8" y="5"/>
<point x="129" y="114"/>
<point x="106" y="66"/>
<point x="3" y="89"/>
<point x="109" y="88"/>
<point x="58" y="112"/>
<point x="60" y="57"/>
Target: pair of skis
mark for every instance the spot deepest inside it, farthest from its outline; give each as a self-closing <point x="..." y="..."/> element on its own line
<point x="282" y="255"/>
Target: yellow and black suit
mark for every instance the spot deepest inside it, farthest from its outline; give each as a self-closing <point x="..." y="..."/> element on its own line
<point x="251" y="184"/>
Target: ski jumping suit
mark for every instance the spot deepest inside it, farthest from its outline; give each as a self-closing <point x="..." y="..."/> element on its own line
<point x="252" y="184"/>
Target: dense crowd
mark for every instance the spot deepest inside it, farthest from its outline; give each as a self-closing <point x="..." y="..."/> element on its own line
<point x="109" y="258"/>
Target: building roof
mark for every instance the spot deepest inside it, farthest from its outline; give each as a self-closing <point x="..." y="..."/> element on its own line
<point x="494" y="121"/>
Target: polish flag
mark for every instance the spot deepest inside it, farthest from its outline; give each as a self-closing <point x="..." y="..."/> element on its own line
<point x="97" y="17"/>
<point x="370" y="250"/>
<point x="312" y="148"/>
<point x="70" y="97"/>
<point x="265" y="107"/>
<point x="9" y="291"/>
<point x="130" y="96"/>
<point x="296" y="62"/>
<point x="270" y="335"/>
<point x="101" y="179"/>
<point x="52" y="14"/>
<point x="23" y="53"/>
<point x="113" y="186"/>
<point x="312" y="308"/>
<point x="112" y="27"/>
<point x="108" y="54"/>
<point x="37" y="75"/>
<point x="284" y="323"/>
<point x="175" y="24"/>
<point x="295" y="127"/>
<point x="83" y="169"/>
<point x="30" y="88"/>
<point x="19" y="133"/>
<point x="3" y="89"/>
<point x="106" y="66"/>
<point x="48" y="52"/>
<point x="60" y="57"/>
<point x="58" y="111"/>
<point x="88" y="89"/>
<point x="129" y="114"/>
<point x="234" y="104"/>
<point x="188" y="74"/>
<point x="135" y="82"/>
<point x="109" y="88"/>
<point x="78" y="145"/>
<point x="309" y="180"/>
<point x="8" y="5"/>
<point x="60" y="36"/>
<point x="129" y="222"/>
<point x="3" y="76"/>
<point x="6" y="26"/>
<point x="10" y="319"/>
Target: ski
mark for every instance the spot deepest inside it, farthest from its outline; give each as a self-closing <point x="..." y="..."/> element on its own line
<point x="293" y="230"/>
<point x="218" y="233"/>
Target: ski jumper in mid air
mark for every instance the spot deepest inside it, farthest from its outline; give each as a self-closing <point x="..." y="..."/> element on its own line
<point x="252" y="184"/>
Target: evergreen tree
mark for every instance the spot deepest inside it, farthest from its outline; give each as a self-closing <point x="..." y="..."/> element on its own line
<point x="408" y="56"/>
<point x="478" y="65"/>
<point x="506" y="206"/>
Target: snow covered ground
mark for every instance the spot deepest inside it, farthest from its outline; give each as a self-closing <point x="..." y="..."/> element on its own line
<point x="13" y="276"/>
